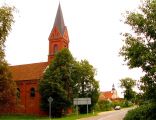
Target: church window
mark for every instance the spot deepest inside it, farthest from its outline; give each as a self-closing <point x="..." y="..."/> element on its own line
<point x="32" y="92"/>
<point x="18" y="93"/>
<point x="55" y="48"/>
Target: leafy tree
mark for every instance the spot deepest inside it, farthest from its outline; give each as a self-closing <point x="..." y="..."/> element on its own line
<point x="86" y="85"/>
<point x="57" y="83"/>
<point x="7" y="86"/>
<point x="65" y="79"/>
<point x="140" y="51"/>
<point x="128" y="84"/>
<point x="140" y="47"/>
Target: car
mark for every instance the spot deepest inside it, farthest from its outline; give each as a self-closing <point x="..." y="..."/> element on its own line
<point x="117" y="108"/>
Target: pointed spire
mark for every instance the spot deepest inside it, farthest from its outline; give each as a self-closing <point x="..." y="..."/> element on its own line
<point x="113" y="87"/>
<point x="59" y="21"/>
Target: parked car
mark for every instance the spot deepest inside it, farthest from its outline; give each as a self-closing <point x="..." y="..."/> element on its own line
<point x="117" y="108"/>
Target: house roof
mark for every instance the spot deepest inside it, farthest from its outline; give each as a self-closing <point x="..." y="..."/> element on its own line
<point x="28" y="71"/>
<point x="107" y="94"/>
<point x="102" y="97"/>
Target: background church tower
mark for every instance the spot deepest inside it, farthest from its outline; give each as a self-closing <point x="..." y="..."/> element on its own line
<point x="58" y="38"/>
<point x="114" y="92"/>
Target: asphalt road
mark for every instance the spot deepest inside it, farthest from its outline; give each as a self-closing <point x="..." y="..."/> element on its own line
<point x="111" y="115"/>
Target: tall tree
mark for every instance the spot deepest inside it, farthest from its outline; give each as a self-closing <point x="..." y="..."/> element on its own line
<point x="140" y="46"/>
<point x="7" y="86"/>
<point x="128" y="84"/>
<point x="86" y="85"/>
<point x="65" y="79"/>
<point x="57" y="83"/>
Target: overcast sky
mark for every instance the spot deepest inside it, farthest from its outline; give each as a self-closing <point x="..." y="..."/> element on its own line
<point x="94" y="29"/>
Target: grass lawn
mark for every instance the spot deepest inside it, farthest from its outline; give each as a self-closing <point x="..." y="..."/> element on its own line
<point x="20" y="117"/>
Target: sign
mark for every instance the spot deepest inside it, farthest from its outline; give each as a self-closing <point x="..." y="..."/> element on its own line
<point x="50" y="99"/>
<point x="82" y="101"/>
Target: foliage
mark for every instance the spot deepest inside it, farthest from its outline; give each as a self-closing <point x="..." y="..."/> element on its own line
<point x="144" y="112"/>
<point x="122" y="104"/>
<point x="140" y="51"/>
<point x="57" y="83"/>
<point x="6" y="19"/>
<point x="140" y="47"/>
<point x="128" y="84"/>
<point x="139" y="100"/>
<point x="7" y="86"/>
<point x="65" y="79"/>
<point x="104" y="105"/>
<point x="86" y="85"/>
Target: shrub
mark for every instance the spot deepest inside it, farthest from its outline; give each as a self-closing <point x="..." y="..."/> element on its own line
<point x="122" y="104"/>
<point x="143" y="112"/>
<point x="97" y="107"/>
<point x="127" y="104"/>
<point x="104" y="105"/>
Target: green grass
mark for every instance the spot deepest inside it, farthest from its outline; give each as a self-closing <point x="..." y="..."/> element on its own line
<point x="23" y="117"/>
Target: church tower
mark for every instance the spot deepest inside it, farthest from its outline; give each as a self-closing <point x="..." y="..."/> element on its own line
<point x="58" y="38"/>
<point x="114" y="92"/>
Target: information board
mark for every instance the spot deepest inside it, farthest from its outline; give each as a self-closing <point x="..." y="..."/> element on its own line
<point x="82" y="101"/>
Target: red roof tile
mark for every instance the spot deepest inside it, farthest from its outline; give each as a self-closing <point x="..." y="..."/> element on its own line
<point x="102" y="97"/>
<point x="107" y="94"/>
<point x="28" y="71"/>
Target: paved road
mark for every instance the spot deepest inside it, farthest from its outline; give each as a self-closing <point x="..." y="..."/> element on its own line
<point x="111" y="115"/>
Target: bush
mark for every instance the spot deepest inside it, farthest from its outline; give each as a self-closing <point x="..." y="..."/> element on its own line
<point x="122" y="104"/>
<point x="143" y="112"/>
<point x="104" y="105"/>
<point x="126" y="104"/>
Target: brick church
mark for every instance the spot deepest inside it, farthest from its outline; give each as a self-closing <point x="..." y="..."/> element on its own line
<point x="27" y="76"/>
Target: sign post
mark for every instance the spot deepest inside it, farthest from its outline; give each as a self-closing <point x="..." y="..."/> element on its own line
<point x="50" y="100"/>
<point x="82" y="101"/>
<point x="77" y="108"/>
<point x="87" y="106"/>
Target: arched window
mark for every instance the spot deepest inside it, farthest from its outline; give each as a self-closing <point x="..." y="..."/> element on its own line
<point x="18" y="93"/>
<point x="55" y="48"/>
<point x="32" y="92"/>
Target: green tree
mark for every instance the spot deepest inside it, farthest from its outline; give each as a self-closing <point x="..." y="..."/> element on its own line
<point x="65" y="79"/>
<point x="139" y="51"/>
<point x="7" y="86"/>
<point x="86" y="85"/>
<point x="128" y="84"/>
<point x="57" y="83"/>
<point x="140" y="47"/>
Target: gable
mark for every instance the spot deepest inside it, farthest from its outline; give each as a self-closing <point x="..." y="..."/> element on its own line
<point x="28" y="71"/>
<point x="55" y="34"/>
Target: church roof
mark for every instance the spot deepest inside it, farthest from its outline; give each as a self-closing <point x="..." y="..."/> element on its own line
<point x="107" y="94"/>
<point x="59" y="21"/>
<point x="28" y="71"/>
